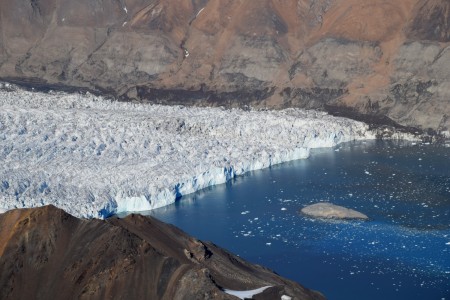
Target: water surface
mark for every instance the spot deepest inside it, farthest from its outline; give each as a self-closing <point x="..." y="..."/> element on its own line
<point x="403" y="252"/>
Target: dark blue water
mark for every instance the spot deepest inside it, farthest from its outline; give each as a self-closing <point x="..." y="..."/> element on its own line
<point x="403" y="252"/>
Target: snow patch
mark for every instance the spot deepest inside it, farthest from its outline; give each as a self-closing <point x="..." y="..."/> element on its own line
<point x="199" y="12"/>
<point x="246" y="294"/>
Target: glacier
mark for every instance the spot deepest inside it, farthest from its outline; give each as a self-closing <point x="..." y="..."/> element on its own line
<point x="95" y="157"/>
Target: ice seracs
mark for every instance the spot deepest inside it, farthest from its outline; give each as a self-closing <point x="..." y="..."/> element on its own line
<point x="95" y="157"/>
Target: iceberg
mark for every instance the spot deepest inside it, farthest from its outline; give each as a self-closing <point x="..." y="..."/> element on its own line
<point x="95" y="157"/>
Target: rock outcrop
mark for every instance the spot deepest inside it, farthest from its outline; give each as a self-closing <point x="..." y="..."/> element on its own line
<point x="332" y="211"/>
<point x="46" y="253"/>
<point x="381" y="59"/>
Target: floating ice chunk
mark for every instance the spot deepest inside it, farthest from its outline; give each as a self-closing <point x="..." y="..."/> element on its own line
<point x="268" y="244"/>
<point x="283" y="208"/>
<point x="245" y="212"/>
<point x="448" y="243"/>
<point x="246" y="294"/>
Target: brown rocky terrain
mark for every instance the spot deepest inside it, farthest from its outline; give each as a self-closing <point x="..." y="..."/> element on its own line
<point x="379" y="58"/>
<point x="46" y="253"/>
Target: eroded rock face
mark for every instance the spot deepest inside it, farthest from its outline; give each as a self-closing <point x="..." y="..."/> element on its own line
<point x="332" y="211"/>
<point x="383" y="58"/>
<point x="46" y="253"/>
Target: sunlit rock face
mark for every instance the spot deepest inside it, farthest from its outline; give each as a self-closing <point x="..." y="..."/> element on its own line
<point x="380" y="59"/>
<point x="332" y="211"/>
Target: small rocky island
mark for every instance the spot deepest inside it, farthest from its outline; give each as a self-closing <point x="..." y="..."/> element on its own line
<point x="332" y="211"/>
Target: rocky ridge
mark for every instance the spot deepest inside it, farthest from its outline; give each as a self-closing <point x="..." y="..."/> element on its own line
<point x="46" y="253"/>
<point x="385" y="61"/>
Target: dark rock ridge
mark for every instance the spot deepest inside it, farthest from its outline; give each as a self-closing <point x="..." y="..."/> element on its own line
<point x="384" y="59"/>
<point x="46" y="253"/>
<point x="332" y="211"/>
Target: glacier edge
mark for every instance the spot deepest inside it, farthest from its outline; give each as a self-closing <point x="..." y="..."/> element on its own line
<point x="95" y="157"/>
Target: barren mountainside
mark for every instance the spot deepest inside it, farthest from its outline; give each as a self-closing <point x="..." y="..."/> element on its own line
<point x="378" y="58"/>
<point x="46" y="253"/>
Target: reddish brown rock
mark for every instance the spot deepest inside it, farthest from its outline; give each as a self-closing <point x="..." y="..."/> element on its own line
<point x="384" y="59"/>
<point x="46" y="253"/>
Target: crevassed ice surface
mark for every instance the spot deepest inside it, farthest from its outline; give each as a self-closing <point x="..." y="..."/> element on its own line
<point x="95" y="157"/>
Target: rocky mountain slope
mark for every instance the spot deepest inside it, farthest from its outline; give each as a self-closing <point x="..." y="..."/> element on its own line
<point x="383" y="58"/>
<point x="46" y="253"/>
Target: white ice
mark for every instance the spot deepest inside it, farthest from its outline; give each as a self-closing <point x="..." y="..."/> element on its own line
<point x="246" y="294"/>
<point x="95" y="157"/>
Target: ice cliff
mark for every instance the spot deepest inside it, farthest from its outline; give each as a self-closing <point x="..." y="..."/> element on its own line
<point x="94" y="157"/>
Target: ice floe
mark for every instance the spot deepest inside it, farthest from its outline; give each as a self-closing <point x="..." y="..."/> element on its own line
<point x="95" y="157"/>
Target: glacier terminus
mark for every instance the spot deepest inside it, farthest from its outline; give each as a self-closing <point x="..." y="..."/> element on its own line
<point x="95" y="157"/>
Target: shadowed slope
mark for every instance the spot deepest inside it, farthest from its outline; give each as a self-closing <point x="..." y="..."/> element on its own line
<point x="46" y="253"/>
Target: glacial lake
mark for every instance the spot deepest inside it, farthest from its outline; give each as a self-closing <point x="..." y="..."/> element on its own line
<point x="403" y="252"/>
